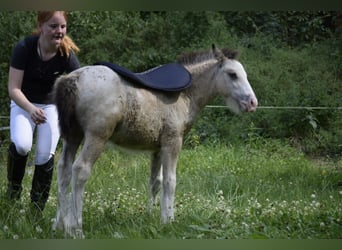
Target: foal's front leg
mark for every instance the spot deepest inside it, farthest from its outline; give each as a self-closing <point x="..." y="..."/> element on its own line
<point x="169" y="158"/>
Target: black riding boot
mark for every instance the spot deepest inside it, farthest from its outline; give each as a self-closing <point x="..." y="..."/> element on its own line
<point x="16" y="164"/>
<point x="41" y="184"/>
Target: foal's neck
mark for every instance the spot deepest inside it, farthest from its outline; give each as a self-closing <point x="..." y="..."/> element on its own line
<point x="202" y="88"/>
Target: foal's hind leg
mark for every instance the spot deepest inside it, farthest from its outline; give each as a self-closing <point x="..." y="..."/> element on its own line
<point x="156" y="179"/>
<point x="90" y="152"/>
<point x="63" y="178"/>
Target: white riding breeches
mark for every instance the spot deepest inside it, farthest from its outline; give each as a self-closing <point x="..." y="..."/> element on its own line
<point x="22" y="130"/>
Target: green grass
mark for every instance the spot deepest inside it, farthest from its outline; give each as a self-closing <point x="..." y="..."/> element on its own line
<point x="264" y="189"/>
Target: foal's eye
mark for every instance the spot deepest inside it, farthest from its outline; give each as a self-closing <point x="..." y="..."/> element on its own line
<point x="233" y="76"/>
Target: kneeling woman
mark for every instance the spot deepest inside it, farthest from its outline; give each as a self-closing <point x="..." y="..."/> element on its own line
<point x="35" y="64"/>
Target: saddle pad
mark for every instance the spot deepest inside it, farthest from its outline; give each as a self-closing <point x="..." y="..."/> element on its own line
<point x="167" y="77"/>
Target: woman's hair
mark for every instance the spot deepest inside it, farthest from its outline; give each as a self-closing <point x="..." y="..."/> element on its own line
<point x="67" y="43"/>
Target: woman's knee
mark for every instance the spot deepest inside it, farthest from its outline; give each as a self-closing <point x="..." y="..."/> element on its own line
<point x="41" y="159"/>
<point x="22" y="148"/>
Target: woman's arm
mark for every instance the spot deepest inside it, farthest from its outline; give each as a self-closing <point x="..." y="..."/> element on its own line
<point x="15" y="79"/>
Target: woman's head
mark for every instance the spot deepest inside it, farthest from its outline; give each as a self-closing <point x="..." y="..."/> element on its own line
<point x="52" y="26"/>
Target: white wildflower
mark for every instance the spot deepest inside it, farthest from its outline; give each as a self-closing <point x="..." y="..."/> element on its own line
<point x="228" y="210"/>
<point x="244" y="224"/>
<point x="118" y="235"/>
<point x="39" y="229"/>
<point x="315" y="204"/>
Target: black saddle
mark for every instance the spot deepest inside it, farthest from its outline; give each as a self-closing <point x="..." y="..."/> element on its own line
<point x="167" y="77"/>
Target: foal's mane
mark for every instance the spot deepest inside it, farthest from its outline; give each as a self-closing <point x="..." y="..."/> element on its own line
<point x="194" y="57"/>
<point x="230" y="53"/>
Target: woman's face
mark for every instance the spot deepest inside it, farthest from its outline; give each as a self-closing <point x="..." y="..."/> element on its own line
<point x="54" y="29"/>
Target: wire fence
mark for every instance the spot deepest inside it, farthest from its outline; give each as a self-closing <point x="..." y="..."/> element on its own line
<point x="285" y="107"/>
<point x="218" y="106"/>
<point x="5" y="128"/>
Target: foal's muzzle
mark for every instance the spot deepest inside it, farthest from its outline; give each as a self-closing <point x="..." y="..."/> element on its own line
<point x="249" y="104"/>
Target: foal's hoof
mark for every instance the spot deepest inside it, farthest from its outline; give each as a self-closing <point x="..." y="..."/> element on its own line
<point x="79" y="234"/>
<point x="56" y="224"/>
<point x="167" y="220"/>
<point x="74" y="233"/>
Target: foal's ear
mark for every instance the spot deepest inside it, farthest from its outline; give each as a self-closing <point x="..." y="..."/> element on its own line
<point x="217" y="53"/>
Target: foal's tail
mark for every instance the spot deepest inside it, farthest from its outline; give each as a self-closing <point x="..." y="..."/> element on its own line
<point x="65" y="96"/>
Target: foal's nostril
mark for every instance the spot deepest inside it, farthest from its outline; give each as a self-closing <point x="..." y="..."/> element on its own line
<point x="253" y="103"/>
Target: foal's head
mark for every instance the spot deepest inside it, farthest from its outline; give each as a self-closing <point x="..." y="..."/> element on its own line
<point x="232" y="82"/>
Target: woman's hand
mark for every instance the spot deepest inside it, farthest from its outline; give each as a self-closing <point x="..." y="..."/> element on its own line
<point x="37" y="115"/>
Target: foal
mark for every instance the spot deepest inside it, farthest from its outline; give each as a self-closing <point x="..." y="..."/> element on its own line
<point x="96" y="105"/>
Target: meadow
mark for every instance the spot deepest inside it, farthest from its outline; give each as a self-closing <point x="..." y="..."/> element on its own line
<point x="264" y="189"/>
<point x="274" y="174"/>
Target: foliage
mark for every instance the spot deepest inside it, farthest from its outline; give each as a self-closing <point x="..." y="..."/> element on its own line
<point x="291" y="27"/>
<point x="16" y="24"/>
<point x="292" y="59"/>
